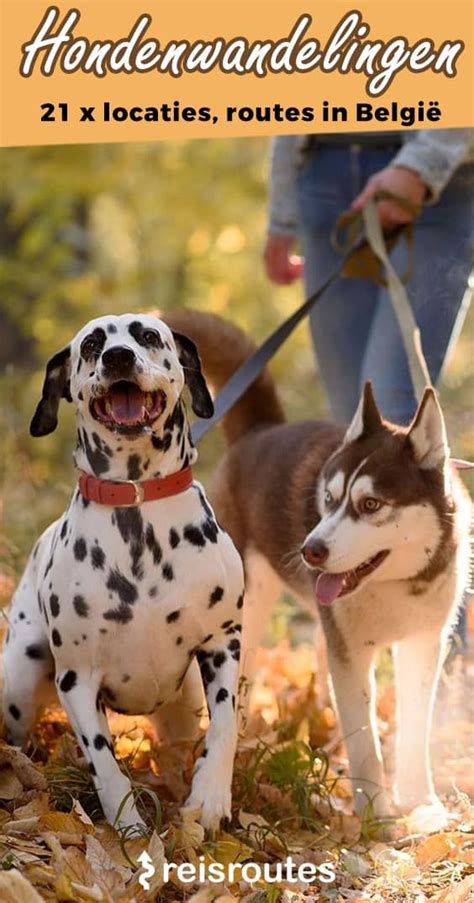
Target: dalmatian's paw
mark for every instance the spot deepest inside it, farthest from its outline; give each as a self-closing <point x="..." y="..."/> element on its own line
<point x="213" y="800"/>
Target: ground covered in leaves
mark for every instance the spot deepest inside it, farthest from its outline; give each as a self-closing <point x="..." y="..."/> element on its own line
<point x="291" y="798"/>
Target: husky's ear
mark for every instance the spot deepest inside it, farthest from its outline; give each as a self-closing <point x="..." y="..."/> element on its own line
<point x="427" y="433"/>
<point x="367" y="418"/>
<point x="56" y="386"/>
<point x="190" y="361"/>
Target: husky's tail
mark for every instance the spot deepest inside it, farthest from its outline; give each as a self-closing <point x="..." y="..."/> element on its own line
<point x="223" y="347"/>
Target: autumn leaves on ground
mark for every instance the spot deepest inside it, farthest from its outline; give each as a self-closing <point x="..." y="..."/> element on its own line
<point x="291" y="797"/>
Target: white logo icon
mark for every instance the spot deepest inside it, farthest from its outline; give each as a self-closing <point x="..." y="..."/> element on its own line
<point x="148" y="869"/>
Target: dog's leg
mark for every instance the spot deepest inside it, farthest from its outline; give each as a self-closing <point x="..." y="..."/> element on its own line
<point x="418" y="661"/>
<point x="28" y="671"/>
<point x="80" y="696"/>
<point x="212" y="779"/>
<point x="354" y="688"/>
<point x="179" y="719"/>
<point x="263" y="588"/>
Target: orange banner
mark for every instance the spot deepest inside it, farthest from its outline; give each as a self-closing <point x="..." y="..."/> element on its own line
<point x="134" y="71"/>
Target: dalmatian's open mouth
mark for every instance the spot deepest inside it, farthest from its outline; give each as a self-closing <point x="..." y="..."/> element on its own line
<point x="125" y="404"/>
<point x="332" y="586"/>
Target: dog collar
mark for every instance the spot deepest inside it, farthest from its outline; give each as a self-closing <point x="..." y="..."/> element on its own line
<point x="131" y="493"/>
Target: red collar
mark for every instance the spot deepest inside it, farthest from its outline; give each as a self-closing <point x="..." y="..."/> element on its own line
<point x="131" y="493"/>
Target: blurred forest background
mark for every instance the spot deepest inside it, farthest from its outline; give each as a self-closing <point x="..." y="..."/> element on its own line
<point x="89" y="230"/>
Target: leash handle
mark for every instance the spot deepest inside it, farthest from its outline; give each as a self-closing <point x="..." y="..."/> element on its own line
<point x="370" y="247"/>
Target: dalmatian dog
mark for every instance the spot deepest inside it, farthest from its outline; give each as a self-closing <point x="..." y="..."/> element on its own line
<point x="133" y="598"/>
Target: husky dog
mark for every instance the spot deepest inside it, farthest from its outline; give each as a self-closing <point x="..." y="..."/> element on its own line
<point x="369" y="526"/>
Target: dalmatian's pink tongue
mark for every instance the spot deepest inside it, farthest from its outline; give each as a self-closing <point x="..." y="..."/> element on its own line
<point x="127" y="403"/>
<point x="328" y="587"/>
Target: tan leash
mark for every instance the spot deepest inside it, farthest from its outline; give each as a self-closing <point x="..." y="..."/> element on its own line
<point x="364" y="256"/>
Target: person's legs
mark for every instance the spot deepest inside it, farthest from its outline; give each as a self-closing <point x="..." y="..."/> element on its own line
<point x="443" y="245"/>
<point x="342" y="319"/>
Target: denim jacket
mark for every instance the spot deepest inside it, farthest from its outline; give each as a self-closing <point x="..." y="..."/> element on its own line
<point x="433" y="153"/>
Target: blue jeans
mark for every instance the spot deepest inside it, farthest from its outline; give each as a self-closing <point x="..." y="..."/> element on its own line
<point x="355" y="334"/>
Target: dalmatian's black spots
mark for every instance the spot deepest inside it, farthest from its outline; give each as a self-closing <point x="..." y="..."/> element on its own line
<point x="48" y="567"/>
<point x="134" y="470"/>
<point x="122" y="614"/>
<point x="118" y="583"/>
<point x="234" y="649"/>
<point x="162" y="443"/>
<point x="219" y="659"/>
<point x="153" y="545"/>
<point x="166" y="364"/>
<point x="92" y="344"/>
<point x="80" y="549"/>
<point x="207" y="673"/>
<point x="21" y="616"/>
<point x="222" y="695"/>
<point x="205" y="504"/>
<point x="97" y="558"/>
<point x="207" y="638"/>
<point x="173" y="538"/>
<point x="14" y="712"/>
<point x="84" y="740"/>
<point x="173" y="616"/>
<point x="101" y="742"/>
<point x="54" y="605"/>
<point x="36" y="651"/>
<point x="80" y="607"/>
<point x="233" y="702"/>
<point x="167" y="571"/>
<point x="176" y="418"/>
<point x="80" y="396"/>
<point x="226" y="624"/>
<point x="68" y="681"/>
<point x="210" y="530"/>
<point x="56" y="638"/>
<point x="238" y="628"/>
<point x="240" y="601"/>
<point x="92" y="769"/>
<point x="63" y="530"/>
<point x="144" y="336"/>
<point x="179" y="640"/>
<point x="153" y="592"/>
<point x="111" y="328"/>
<point x="194" y="536"/>
<point x="130" y="525"/>
<point x="216" y="596"/>
<point x="96" y="456"/>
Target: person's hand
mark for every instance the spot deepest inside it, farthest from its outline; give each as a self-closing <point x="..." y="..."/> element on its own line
<point x="398" y="180"/>
<point x="281" y="265"/>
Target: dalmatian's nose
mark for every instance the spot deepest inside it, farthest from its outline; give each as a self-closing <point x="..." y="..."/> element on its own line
<point x="118" y="359"/>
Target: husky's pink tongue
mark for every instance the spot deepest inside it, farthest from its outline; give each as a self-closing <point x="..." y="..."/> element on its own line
<point x="328" y="587"/>
<point x="127" y="403"/>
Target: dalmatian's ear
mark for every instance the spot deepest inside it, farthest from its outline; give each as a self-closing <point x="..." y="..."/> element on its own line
<point x="190" y="361"/>
<point x="56" y="386"/>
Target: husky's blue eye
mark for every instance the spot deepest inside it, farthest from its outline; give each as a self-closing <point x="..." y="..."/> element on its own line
<point x="369" y="505"/>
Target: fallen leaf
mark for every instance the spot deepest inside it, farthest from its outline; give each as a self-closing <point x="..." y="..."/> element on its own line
<point x="15" y="888"/>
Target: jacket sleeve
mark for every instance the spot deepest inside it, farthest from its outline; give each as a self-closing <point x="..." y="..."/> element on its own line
<point x="283" y="210"/>
<point x="436" y="154"/>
